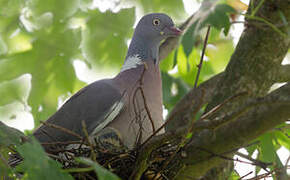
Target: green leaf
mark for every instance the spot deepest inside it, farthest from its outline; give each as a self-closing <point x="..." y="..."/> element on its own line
<point x="37" y="165"/>
<point x="173" y="90"/>
<point x="234" y="176"/>
<point x="214" y="14"/>
<point x="189" y="40"/>
<point x="219" y="54"/>
<point x="173" y="8"/>
<point x="187" y="67"/>
<point x="182" y="62"/>
<point x="219" y="17"/>
<point x="251" y="149"/>
<point x="60" y="9"/>
<point x="283" y="139"/>
<point x="10" y="7"/>
<point x="168" y="63"/>
<point x="64" y="74"/>
<point x="13" y="90"/>
<point x="104" y="39"/>
<point x="188" y="136"/>
<point x="267" y="150"/>
<point x="102" y="173"/>
<point x="15" y="65"/>
<point x="4" y="169"/>
<point x="9" y="136"/>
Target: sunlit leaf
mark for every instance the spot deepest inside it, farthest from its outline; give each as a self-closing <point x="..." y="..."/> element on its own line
<point x="237" y="5"/>
<point x="182" y="62"/>
<point x="283" y="138"/>
<point x="60" y="9"/>
<point x="174" y="8"/>
<point x="16" y="65"/>
<point x="16" y="89"/>
<point x="219" y="54"/>
<point x="18" y="43"/>
<point x="10" y="8"/>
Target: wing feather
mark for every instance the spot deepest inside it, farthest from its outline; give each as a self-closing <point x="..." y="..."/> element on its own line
<point x="97" y="105"/>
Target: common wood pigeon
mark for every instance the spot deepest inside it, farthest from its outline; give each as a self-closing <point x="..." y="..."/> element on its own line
<point x="129" y="105"/>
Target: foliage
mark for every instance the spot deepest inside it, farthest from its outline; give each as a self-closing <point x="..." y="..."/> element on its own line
<point x="38" y="165"/>
<point x="44" y="38"/>
<point x="103" y="174"/>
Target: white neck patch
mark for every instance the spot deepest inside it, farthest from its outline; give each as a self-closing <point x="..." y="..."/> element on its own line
<point x="131" y="62"/>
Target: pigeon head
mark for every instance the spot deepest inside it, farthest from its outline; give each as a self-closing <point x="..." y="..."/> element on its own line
<point x="156" y="27"/>
<point x="149" y="32"/>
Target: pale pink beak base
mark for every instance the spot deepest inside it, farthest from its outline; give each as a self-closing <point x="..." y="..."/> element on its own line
<point x="175" y="30"/>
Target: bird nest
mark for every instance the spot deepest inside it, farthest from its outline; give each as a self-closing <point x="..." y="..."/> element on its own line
<point x="121" y="162"/>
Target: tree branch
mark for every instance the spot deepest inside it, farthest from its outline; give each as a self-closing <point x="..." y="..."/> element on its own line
<point x="264" y="114"/>
<point x="257" y="57"/>
<point x="283" y="74"/>
<point x="182" y="112"/>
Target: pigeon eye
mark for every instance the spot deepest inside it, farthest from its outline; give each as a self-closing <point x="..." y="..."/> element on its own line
<point x="156" y="22"/>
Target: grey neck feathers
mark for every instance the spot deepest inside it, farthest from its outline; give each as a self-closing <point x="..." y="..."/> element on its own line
<point x="145" y="49"/>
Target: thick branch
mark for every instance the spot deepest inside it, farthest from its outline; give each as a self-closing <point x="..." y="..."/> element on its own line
<point x="283" y="74"/>
<point x="182" y="112"/>
<point x="264" y="114"/>
<point x="258" y="54"/>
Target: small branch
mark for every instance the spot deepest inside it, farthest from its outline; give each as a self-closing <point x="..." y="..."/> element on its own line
<point x="144" y="98"/>
<point x="62" y="129"/>
<point x="199" y="66"/>
<point x="142" y="162"/>
<point x="283" y="74"/>
<point x="184" y="139"/>
<point x="245" y="175"/>
<point x="148" y="146"/>
<point x="60" y="143"/>
<point x="140" y="88"/>
<point x="253" y="13"/>
<point x="84" y="126"/>
<point x="269" y="24"/>
<point x="218" y="107"/>
<point x="222" y="156"/>
<point x="182" y="113"/>
<point x="256" y="162"/>
<point x="78" y="170"/>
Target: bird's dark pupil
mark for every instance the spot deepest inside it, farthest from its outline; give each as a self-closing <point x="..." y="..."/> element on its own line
<point x="156" y="22"/>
